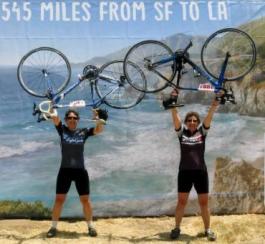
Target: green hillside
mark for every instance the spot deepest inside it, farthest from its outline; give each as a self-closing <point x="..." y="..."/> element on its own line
<point x="22" y="209"/>
<point x="256" y="29"/>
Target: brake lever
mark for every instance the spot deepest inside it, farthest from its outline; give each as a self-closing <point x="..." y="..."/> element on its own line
<point x="40" y="118"/>
<point x="35" y="109"/>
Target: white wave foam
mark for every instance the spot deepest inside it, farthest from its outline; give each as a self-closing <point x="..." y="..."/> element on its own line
<point x="22" y="148"/>
<point x="237" y="138"/>
<point x="151" y="145"/>
<point x="222" y="135"/>
<point x="29" y="127"/>
<point x="249" y="148"/>
<point x="148" y="206"/>
<point x="153" y="148"/>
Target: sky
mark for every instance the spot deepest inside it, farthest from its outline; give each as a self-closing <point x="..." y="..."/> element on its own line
<point x="85" y="29"/>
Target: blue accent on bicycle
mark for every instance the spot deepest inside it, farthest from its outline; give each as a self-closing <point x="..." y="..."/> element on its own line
<point x="227" y="55"/>
<point x="45" y="72"/>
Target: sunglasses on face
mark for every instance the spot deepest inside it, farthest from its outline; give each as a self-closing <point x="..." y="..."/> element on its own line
<point x="192" y="120"/>
<point x="72" y="118"/>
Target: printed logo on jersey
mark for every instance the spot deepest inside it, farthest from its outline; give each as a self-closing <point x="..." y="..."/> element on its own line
<point x="76" y="139"/>
<point x="193" y="140"/>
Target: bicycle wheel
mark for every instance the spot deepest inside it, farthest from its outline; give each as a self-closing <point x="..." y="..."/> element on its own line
<point x="156" y="61"/>
<point x="238" y="44"/>
<point x="44" y="69"/>
<point x="113" y="87"/>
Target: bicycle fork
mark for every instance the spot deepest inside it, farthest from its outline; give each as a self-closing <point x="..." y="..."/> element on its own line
<point x="94" y="103"/>
<point x="228" y="96"/>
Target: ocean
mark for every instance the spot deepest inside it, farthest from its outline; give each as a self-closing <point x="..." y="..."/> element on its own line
<point x="132" y="165"/>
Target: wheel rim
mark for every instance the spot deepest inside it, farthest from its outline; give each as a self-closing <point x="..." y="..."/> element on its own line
<point x="144" y="55"/>
<point x="124" y="96"/>
<point x="240" y="47"/>
<point x="44" y="69"/>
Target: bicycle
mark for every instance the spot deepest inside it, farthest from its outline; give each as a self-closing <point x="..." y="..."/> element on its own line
<point x="45" y="72"/>
<point x="227" y="55"/>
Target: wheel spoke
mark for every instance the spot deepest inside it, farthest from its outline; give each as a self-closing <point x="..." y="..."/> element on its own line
<point x="145" y="54"/>
<point x="120" y="93"/>
<point x="240" y="47"/>
<point x="42" y="69"/>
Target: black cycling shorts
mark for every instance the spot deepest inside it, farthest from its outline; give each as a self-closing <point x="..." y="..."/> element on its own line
<point x="198" y="178"/>
<point x="67" y="175"/>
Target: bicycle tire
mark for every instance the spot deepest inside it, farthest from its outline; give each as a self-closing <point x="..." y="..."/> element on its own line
<point x="143" y="54"/>
<point x="125" y="96"/>
<point x="242" y="52"/>
<point x="42" y="66"/>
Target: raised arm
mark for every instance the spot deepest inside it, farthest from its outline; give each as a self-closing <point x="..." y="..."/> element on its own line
<point x="175" y="115"/>
<point x="208" y="119"/>
<point x="55" y="117"/>
<point x="99" y="127"/>
<point x="176" y="118"/>
<point x="56" y="120"/>
<point x="101" y="116"/>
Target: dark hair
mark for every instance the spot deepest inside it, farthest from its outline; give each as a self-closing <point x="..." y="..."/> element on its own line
<point x="71" y="111"/>
<point x="190" y="114"/>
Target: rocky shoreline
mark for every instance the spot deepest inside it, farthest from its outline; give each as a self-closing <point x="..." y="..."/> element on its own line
<point x="249" y="95"/>
<point x="238" y="187"/>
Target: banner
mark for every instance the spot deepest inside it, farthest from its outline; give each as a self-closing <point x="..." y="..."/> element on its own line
<point x="133" y="164"/>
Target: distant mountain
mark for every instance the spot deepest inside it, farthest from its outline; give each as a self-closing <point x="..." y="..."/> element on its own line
<point x="176" y="41"/>
<point x="180" y="41"/>
<point x="97" y="61"/>
<point x="249" y="91"/>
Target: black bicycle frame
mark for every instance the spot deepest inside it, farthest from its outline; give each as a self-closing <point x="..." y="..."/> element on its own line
<point x="180" y="57"/>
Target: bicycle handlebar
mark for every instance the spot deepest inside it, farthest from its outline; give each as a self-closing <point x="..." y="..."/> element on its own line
<point x="45" y="108"/>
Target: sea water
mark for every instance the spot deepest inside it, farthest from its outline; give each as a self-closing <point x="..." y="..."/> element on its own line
<point x="132" y="165"/>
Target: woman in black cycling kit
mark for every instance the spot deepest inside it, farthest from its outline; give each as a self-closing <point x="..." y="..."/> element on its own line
<point x="72" y="164"/>
<point x="192" y="168"/>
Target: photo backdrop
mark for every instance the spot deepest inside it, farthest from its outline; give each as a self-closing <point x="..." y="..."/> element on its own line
<point x="133" y="165"/>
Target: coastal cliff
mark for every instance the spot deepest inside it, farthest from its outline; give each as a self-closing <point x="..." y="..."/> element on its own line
<point x="249" y="96"/>
<point x="238" y="187"/>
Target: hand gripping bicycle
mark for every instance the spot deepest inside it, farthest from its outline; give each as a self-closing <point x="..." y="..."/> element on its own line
<point x="45" y="72"/>
<point x="227" y="55"/>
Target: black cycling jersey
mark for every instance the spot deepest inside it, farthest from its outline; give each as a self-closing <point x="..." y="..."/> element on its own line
<point x="192" y="146"/>
<point x="72" y="145"/>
